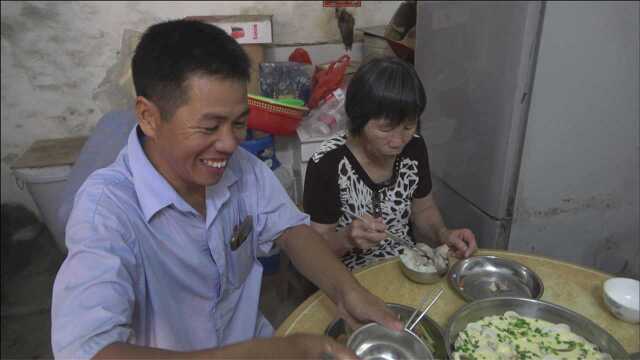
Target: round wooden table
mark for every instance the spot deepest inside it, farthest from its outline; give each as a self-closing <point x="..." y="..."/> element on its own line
<point x="569" y="285"/>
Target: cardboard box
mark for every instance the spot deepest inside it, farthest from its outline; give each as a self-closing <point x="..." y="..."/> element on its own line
<point x="250" y="31"/>
<point x="256" y="55"/>
<point x="246" y="29"/>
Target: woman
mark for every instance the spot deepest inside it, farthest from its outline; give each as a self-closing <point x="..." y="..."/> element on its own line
<point x="375" y="177"/>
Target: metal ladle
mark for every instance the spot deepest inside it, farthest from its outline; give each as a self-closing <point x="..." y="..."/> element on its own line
<point x="409" y="325"/>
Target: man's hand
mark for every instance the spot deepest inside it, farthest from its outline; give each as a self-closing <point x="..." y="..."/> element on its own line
<point x="359" y="306"/>
<point x="366" y="233"/>
<point x="461" y="241"/>
<point x="311" y="256"/>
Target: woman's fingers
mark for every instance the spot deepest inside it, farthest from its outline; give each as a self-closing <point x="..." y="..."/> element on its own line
<point x="365" y="236"/>
<point x="463" y="242"/>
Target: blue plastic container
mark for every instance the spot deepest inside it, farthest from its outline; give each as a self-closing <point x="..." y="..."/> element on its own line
<point x="264" y="148"/>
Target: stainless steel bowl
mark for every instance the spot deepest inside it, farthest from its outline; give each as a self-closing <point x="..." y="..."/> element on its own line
<point x="421" y="277"/>
<point x="481" y="277"/>
<point x="538" y="309"/>
<point x="374" y="341"/>
<point x="428" y="330"/>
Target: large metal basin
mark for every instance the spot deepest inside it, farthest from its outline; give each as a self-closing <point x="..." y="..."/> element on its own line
<point x="535" y="309"/>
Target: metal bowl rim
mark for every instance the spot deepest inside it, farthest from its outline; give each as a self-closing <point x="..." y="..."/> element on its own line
<point x="456" y="315"/>
<point x="414" y="335"/>
<point x="430" y="320"/>
<point x="455" y="269"/>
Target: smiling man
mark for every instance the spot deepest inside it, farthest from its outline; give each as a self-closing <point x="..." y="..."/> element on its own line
<point x="156" y="264"/>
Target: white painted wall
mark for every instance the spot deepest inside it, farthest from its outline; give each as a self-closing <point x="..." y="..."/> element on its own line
<point x="578" y="191"/>
<point x="56" y="54"/>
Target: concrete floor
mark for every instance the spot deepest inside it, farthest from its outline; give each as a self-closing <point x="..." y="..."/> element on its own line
<point x="26" y="303"/>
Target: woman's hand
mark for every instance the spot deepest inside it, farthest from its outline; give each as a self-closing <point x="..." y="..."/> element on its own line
<point x="366" y="233"/>
<point x="461" y="241"/>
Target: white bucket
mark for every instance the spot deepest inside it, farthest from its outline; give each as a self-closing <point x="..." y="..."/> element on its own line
<point x="46" y="185"/>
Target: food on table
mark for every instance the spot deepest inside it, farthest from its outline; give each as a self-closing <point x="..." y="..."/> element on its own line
<point x="498" y="286"/>
<point x="424" y="259"/>
<point x="511" y="336"/>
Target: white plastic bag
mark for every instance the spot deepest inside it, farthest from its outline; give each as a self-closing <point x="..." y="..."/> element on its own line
<point x="328" y="118"/>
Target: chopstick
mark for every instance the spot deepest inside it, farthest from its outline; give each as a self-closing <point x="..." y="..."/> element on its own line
<point x="389" y="234"/>
<point x="411" y="323"/>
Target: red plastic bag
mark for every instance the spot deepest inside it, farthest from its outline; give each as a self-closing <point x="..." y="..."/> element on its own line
<point x="325" y="81"/>
<point x="300" y="55"/>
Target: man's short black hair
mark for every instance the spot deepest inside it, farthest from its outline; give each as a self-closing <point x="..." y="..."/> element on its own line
<point x="384" y="88"/>
<point x="169" y="53"/>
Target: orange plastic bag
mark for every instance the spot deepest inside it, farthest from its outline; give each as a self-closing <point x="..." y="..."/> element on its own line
<point x="325" y="81"/>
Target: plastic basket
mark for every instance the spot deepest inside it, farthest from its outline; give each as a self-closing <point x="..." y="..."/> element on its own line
<point x="273" y="116"/>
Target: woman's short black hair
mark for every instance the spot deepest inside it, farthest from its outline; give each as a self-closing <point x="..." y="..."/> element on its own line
<point x="384" y="88"/>
<point x="170" y="52"/>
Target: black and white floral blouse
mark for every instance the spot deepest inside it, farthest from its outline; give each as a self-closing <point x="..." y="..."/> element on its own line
<point x="336" y="182"/>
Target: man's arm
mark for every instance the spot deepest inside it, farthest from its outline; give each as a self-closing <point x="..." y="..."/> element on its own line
<point x="428" y="224"/>
<point x="359" y="234"/>
<point x="313" y="258"/>
<point x="311" y="255"/>
<point x="298" y="346"/>
<point x="336" y="240"/>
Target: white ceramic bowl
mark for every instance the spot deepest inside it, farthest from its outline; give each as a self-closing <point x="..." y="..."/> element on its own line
<point x="622" y="297"/>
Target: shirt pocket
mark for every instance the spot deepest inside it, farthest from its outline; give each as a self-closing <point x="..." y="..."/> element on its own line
<point x="240" y="262"/>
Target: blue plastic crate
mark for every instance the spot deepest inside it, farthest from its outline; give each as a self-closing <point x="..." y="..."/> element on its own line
<point x="264" y="148"/>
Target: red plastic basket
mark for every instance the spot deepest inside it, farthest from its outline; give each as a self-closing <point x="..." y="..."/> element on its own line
<point x="272" y="117"/>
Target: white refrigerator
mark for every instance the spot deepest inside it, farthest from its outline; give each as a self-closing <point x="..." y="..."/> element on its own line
<point x="532" y="125"/>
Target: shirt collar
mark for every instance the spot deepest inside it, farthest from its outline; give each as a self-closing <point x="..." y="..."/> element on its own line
<point x="153" y="190"/>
